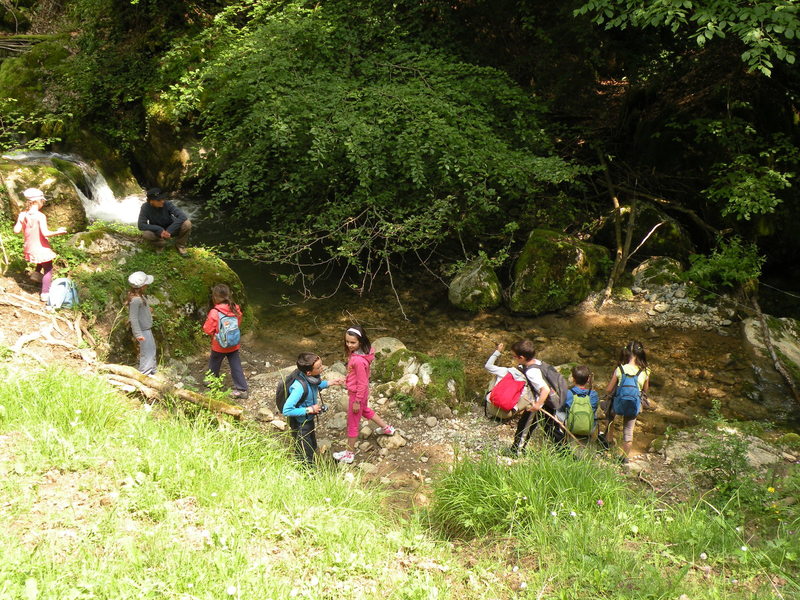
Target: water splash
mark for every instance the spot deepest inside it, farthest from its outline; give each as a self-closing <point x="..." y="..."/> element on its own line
<point x="99" y="202"/>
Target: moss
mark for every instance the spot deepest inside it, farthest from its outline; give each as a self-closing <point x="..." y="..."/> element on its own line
<point x="623" y="293"/>
<point x="437" y="392"/>
<point x="181" y="286"/>
<point x="556" y="270"/>
<point x="791" y="440"/>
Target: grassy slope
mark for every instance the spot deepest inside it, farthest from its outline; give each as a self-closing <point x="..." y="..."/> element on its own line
<point x="106" y="499"/>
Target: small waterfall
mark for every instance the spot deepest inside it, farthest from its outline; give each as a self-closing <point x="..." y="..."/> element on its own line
<point x="96" y="196"/>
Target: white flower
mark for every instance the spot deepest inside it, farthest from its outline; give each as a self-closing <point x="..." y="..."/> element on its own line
<point x="572" y="513"/>
<point x="744" y="548"/>
<point x="703" y="556"/>
<point x="231" y="591"/>
<point x="553" y="513"/>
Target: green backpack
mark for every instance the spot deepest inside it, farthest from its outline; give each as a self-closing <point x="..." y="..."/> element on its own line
<point x="580" y="420"/>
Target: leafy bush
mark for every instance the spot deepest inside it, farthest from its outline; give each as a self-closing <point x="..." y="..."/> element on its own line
<point x="733" y="263"/>
<point x="334" y="129"/>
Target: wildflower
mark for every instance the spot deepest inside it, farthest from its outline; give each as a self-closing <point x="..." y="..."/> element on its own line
<point x="231" y="590"/>
<point x="600" y="503"/>
<point x="553" y="513"/>
<point x="703" y="556"/>
<point x="572" y="513"/>
<point x="213" y="494"/>
<point x="744" y="548"/>
<point x="78" y="411"/>
<point x="771" y="490"/>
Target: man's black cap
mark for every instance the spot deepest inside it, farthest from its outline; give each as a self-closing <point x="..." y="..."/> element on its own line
<point x="155" y="194"/>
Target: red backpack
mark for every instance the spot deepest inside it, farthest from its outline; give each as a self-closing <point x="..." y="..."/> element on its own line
<point x="506" y="392"/>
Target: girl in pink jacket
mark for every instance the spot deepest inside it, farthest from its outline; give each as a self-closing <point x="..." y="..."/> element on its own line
<point x="359" y="358"/>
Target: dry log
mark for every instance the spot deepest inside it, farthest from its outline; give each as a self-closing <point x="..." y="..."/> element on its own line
<point x="146" y="391"/>
<point x="165" y="387"/>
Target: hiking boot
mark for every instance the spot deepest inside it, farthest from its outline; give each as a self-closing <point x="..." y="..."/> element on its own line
<point x="240" y="394"/>
<point x="511" y="452"/>
<point x="388" y="430"/>
<point x="345" y="456"/>
<point x="182" y="251"/>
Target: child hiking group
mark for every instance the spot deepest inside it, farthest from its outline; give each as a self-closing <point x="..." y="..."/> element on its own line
<point x="297" y="397"/>
<point x="539" y="395"/>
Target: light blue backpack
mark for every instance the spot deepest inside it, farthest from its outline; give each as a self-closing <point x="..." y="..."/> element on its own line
<point x="63" y="293"/>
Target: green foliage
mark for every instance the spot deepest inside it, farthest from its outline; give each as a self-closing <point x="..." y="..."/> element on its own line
<point x="767" y="29"/>
<point x="720" y="464"/>
<point x="754" y="170"/>
<point x="733" y="263"/>
<point x="215" y="387"/>
<point x="341" y="133"/>
<point x="18" y="128"/>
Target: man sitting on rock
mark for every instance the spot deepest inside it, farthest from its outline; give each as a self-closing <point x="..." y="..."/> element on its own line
<point x="160" y="220"/>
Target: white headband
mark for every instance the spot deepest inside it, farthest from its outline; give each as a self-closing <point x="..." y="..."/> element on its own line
<point x="354" y="331"/>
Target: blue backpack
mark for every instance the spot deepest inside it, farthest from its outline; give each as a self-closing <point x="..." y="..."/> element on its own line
<point x="628" y="397"/>
<point x="63" y="294"/>
<point x="228" y="334"/>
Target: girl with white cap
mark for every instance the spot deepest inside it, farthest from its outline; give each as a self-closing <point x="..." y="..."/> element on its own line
<point x="32" y="223"/>
<point x="140" y="316"/>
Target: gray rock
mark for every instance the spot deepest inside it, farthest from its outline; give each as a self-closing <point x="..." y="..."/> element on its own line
<point x="339" y="421"/>
<point x="431" y="421"/>
<point x="386" y="346"/>
<point x="391" y="442"/>
<point x="365" y="432"/>
<point x="476" y="287"/>
<point x="278" y="424"/>
<point x="368" y="468"/>
<point x="265" y="414"/>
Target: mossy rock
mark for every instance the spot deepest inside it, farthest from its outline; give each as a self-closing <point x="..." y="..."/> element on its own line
<point x="622" y="293"/>
<point x="63" y="206"/>
<point x="668" y="239"/>
<point x="181" y="289"/>
<point x="446" y="385"/>
<point x="790" y="440"/>
<point x="657" y="271"/>
<point x="23" y="77"/>
<point x="555" y="271"/>
<point x="476" y="287"/>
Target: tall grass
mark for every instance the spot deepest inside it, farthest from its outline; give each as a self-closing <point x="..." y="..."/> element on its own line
<point x="594" y="535"/>
<point x="105" y="500"/>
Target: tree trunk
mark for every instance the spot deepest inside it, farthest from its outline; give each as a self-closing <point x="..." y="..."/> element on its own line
<point x="164" y="387"/>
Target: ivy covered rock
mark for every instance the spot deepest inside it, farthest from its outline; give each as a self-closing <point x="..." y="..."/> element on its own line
<point x="657" y="271"/>
<point x="420" y="383"/>
<point x="476" y="287"/>
<point x="180" y="292"/>
<point x="555" y="270"/>
<point x="63" y="206"/>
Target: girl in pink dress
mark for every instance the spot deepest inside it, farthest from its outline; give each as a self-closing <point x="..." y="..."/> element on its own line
<point x="33" y="225"/>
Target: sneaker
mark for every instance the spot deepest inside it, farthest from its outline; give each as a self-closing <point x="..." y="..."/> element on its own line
<point x="240" y="394"/>
<point x="44" y="297"/>
<point x="388" y="430"/>
<point x="182" y="251"/>
<point x="345" y="456"/>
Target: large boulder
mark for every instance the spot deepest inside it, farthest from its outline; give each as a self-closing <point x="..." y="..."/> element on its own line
<point x="476" y="287"/>
<point x="63" y="206"/>
<point x="657" y="271"/>
<point x="180" y="292"/>
<point x="668" y="239"/>
<point x="555" y="270"/>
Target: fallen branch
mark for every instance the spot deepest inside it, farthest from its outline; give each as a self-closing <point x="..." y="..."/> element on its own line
<point x="165" y="387"/>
